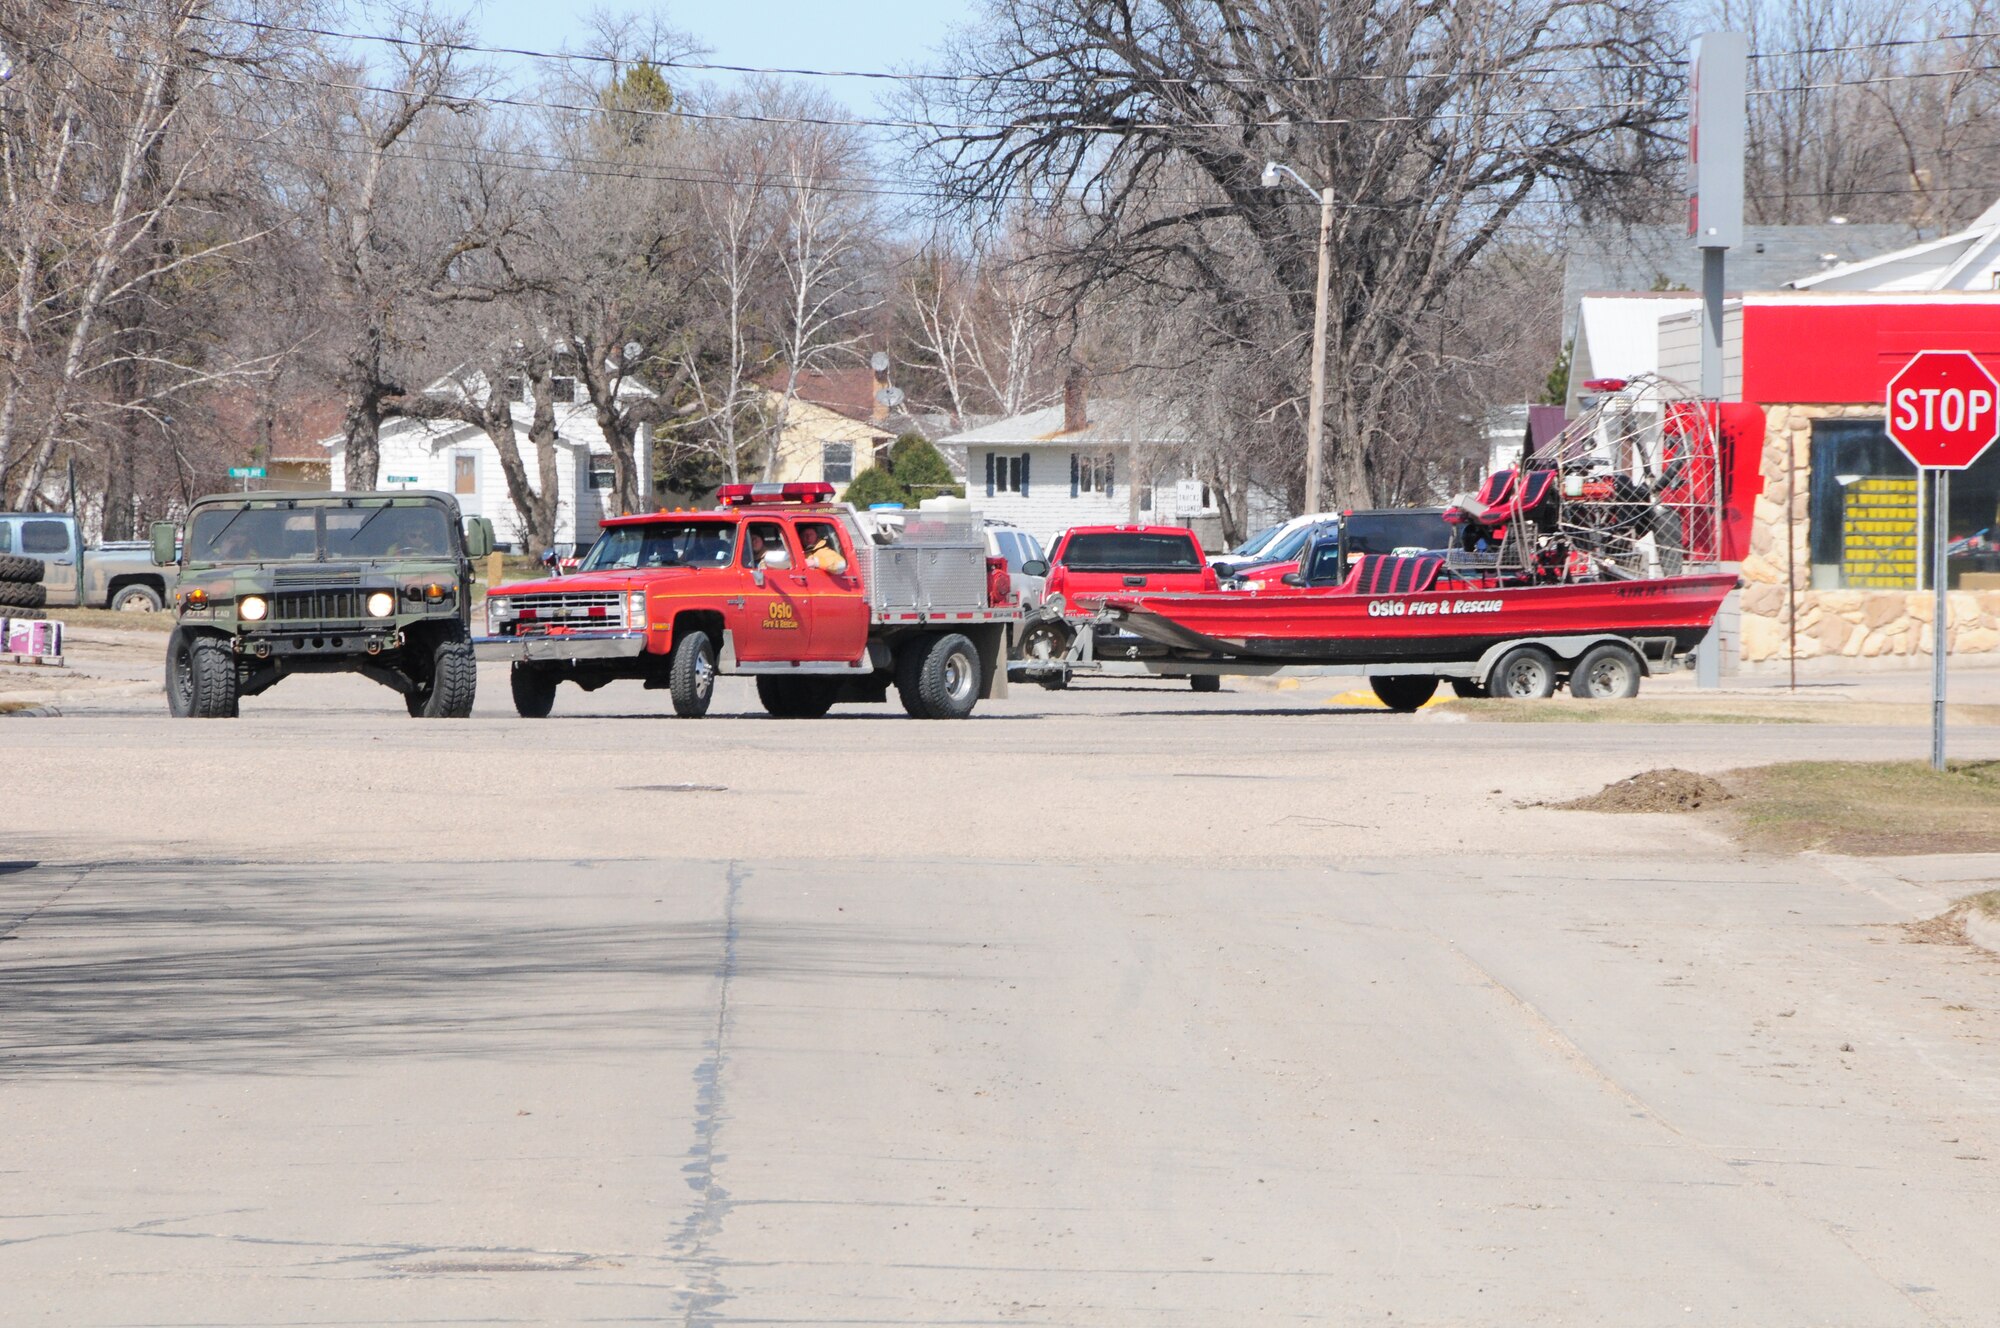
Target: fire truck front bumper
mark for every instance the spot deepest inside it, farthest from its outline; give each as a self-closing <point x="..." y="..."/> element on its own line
<point x="599" y="645"/>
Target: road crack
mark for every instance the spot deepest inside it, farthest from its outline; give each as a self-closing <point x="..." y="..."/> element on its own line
<point x="704" y="1223"/>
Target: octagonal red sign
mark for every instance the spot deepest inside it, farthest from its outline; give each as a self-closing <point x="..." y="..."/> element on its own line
<point x="1944" y="409"/>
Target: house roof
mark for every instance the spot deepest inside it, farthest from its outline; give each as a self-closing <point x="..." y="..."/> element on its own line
<point x="1108" y="420"/>
<point x="1965" y="260"/>
<point x="810" y="409"/>
<point x="1639" y="258"/>
<point x="846" y="390"/>
<point x="568" y="413"/>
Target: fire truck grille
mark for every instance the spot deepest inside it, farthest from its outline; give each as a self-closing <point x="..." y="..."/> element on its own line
<point x="589" y="608"/>
<point x="316" y="606"/>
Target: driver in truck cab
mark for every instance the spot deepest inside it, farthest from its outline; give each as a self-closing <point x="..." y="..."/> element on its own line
<point x="822" y="550"/>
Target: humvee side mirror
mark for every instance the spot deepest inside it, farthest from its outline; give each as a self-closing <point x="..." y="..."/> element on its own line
<point x="1293" y="578"/>
<point x="163" y="544"/>
<point x="478" y="537"/>
<point x="1035" y="567"/>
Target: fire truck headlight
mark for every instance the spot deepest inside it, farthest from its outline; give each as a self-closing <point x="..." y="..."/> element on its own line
<point x="381" y="604"/>
<point x="498" y="614"/>
<point x="635" y="608"/>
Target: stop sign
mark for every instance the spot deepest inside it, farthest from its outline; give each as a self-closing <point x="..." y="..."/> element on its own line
<point x="1942" y="409"/>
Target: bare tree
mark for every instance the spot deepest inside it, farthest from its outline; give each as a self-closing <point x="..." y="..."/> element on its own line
<point x="1148" y="124"/>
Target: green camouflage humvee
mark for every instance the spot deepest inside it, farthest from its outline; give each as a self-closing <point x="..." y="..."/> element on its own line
<point x="272" y="584"/>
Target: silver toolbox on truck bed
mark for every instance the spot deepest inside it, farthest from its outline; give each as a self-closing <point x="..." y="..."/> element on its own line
<point x="937" y="564"/>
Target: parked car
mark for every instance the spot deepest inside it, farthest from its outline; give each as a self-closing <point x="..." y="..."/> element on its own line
<point x="1091" y="562"/>
<point x="1019" y="548"/>
<point x="48" y="566"/>
<point x="1277" y="544"/>
<point x="1285" y="555"/>
<point x="1331" y="556"/>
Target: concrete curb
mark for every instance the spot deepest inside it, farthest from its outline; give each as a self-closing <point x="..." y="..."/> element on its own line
<point x="1982" y="929"/>
<point x="32" y="712"/>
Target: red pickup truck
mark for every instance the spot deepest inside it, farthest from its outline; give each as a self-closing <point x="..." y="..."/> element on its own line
<point x="778" y="583"/>
<point x="1090" y="562"/>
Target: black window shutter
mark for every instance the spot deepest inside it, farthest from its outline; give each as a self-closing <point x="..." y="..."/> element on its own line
<point x="1072" y="474"/>
<point x="989" y="474"/>
<point x="1024" y="474"/>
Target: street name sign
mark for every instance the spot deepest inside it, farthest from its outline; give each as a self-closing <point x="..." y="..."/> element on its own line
<point x="1944" y="412"/>
<point x="401" y="479"/>
<point x="246" y="472"/>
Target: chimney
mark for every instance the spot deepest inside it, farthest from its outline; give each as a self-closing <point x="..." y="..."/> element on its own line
<point x="1074" y="416"/>
<point x="878" y="401"/>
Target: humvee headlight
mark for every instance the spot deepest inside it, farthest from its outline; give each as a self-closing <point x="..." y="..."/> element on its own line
<point x="252" y="608"/>
<point x="381" y="604"/>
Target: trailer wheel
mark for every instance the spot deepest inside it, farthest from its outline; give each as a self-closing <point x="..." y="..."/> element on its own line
<point x="201" y="677"/>
<point x="1525" y="673"/>
<point x="691" y="680"/>
<point x="1606" y="672"/>
<point x="947" y="678"/>
<point x="1405" y="693"/>
<point x="797" y="698"/>
<point x="1465" y="689"/>
<point x="534" y="689"/>
<point x="1205" y="682"/>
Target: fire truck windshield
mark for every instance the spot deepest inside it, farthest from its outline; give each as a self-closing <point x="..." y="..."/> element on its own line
<point x="681" y="543"/>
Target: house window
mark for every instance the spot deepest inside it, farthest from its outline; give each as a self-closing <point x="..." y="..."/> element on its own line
<point x="562" y="388"/>
<point x="1093" y="475"/>
<point x="1146" y="495"/>
<point x="836" y="462"/>
<point x="1006" y="474"/>
<point x="464" y="473"/>
<point x="602" y="476"/>
<point x="517" y="388"/>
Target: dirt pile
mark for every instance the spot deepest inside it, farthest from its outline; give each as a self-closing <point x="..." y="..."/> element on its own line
<point x="1651" y="791"/>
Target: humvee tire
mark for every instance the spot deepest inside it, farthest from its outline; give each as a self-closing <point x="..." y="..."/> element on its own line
<point x="453" y="680"/>
<point x="201" y="677"/>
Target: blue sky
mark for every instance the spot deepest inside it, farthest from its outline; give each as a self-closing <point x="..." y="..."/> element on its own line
<point x="829" y="34"/>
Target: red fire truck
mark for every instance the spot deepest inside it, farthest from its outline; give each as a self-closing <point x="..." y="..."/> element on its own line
<point x="809" y="597"/>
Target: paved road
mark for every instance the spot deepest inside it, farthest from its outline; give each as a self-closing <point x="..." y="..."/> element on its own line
<point x="956" y="1024"/>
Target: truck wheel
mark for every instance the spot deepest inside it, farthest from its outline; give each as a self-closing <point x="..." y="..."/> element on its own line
<point x="1205" y="682"/>
<point x="454" y="678"/>
<point x="909" y="665"/>
<point x="947" y="679"/>
<point x="797" y="698"/>
<point x="29" y="571"/>
<point x="691" y="681"/>
<point x="136" y="599"/>
<point x="1466" y="689"/>
<point x="534" y="689"/>
<point x="1606" y="672"/>
<point x="1525" y="673"/>
<point x="22" y="595"/>
<point x="201" y="677"/>
<point x="1404" y="693"/>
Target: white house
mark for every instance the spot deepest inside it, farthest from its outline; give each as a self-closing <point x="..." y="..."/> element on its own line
<point x="460" y="460"/>
<point x="1968" y="260"/>
<point x="1083" y="463"/>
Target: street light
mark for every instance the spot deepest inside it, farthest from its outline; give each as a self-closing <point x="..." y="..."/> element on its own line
<point x="1274" y="178"/>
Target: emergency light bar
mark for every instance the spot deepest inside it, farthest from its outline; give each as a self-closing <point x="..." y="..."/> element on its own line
<point x="739" y="495"/>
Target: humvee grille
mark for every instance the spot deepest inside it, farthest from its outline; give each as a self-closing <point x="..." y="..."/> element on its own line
<point x="317" y="606"/>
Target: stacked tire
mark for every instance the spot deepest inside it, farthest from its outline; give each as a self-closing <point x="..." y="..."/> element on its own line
<point x="21" y="584"/>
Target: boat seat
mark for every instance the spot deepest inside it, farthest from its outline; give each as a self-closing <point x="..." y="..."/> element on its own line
<point x="1386" y="574"/>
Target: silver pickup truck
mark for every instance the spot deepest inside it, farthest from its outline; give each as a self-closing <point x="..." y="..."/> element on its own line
<point x="111" y="576"/>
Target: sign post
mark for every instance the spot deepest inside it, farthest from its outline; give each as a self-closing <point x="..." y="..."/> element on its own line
<point x="1944" y="412"/>
<point x="246" y="474"/>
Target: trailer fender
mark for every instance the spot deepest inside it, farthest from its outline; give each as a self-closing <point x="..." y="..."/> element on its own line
<point x="1569" y="649"/>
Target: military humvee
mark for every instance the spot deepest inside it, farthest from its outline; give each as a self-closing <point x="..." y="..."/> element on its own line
<point x="272" y="584"/>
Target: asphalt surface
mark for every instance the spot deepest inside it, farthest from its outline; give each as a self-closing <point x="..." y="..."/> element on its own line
<point x="1120" y="1006"/>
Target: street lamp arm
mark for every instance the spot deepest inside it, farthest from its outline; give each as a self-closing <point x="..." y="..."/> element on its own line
<point x="1274" y="169"/>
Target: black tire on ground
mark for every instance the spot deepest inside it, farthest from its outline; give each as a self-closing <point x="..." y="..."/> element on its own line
<point x="201" y="677"/>
<point x="28" y="571"/>
<point x="454" y="677"/>
<point x="948" y="679"/>
<point x="1405" y="692"/>
<point x="1607" y="672"/>
<point x="22" y="595"/>
<point x="797" y="698"/>
<point x="534" y="688"/>
<point x="691" y="680"/>
<point x="1525" y="673"/>
<point x="1466" y="689"/>
<point x="137" y="599"/>
<point x="1043" y="636"/>
<point x="1205" y="682"/>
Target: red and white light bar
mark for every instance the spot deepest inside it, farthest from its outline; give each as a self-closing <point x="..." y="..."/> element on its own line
<point x="805" y="491"/>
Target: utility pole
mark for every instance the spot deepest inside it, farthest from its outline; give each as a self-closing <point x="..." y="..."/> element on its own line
<point x="1274" y="173"/>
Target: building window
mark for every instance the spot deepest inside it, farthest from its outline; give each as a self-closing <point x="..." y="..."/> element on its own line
<point x="1093" y="475"/>
<point x="836" y="462"/>
<point x="1146" y="495"/>
<point x="562" y="388"/>
<point x="1865" y="505"/>
<point x="517" y="388"/>
<point x="1006" y="474"/>
<point x="602" y="476"/>
<point x="464" y="473"/>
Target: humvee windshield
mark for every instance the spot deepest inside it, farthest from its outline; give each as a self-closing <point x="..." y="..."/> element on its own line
<point x="305" y="532"/>
<point x="662" y="544"/>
